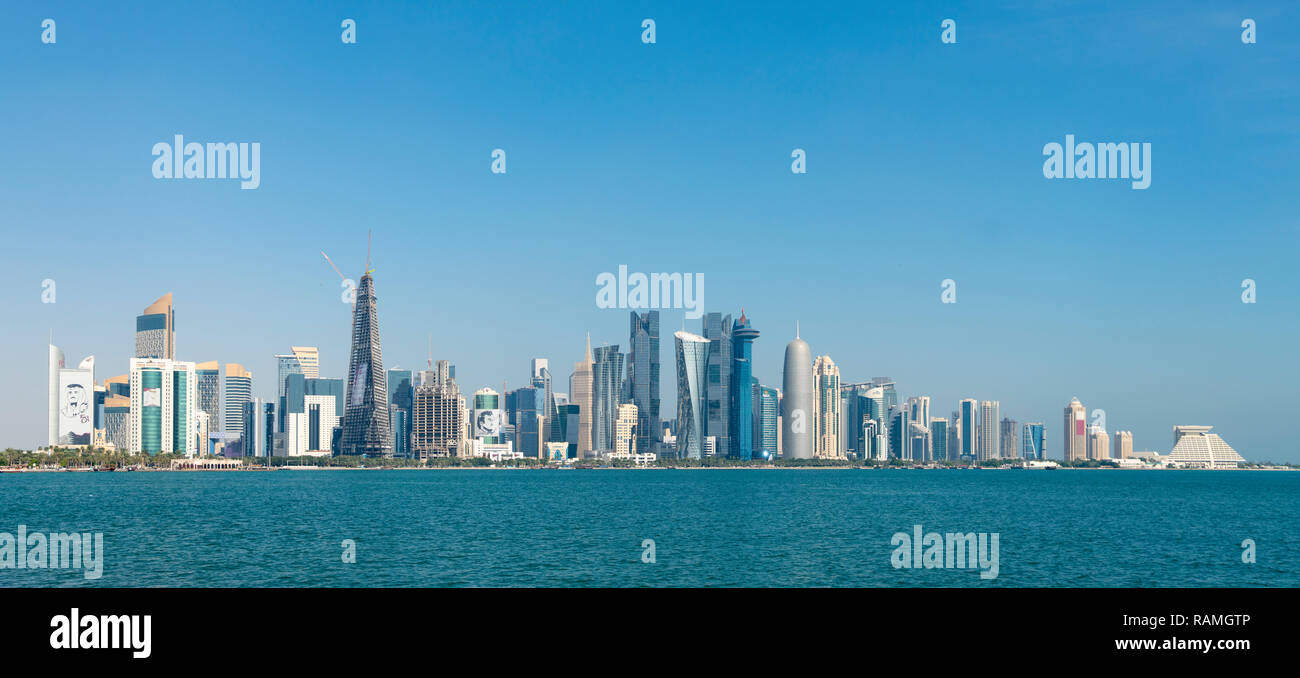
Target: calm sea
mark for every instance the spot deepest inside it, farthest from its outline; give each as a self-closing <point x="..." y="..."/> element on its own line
<point x="710" y="527"/>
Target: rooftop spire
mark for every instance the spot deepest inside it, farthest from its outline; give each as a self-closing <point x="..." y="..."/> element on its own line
<point x="796" y="329"/>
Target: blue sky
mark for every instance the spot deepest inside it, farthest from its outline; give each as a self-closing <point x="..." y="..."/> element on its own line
<point x="924" y="163"/>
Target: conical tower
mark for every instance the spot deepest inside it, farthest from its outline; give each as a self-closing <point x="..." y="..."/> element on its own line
<point x="365" y="418"/>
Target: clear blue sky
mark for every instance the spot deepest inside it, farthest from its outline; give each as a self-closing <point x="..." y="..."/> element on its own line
<point x="924" y="163"/>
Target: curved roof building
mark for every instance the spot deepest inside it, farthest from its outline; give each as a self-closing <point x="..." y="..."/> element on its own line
<point x="692" y="371"/>
<point x="796" y="403"/>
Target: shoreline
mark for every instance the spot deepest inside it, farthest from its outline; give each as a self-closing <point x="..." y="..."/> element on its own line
<point x="262" y="469"/>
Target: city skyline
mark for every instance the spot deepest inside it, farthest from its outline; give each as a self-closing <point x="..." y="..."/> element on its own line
<point x="916" y="175"/>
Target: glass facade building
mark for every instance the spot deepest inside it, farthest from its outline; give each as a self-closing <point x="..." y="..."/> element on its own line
<point x="643" y="375"/>
<point x="692" y="370"/>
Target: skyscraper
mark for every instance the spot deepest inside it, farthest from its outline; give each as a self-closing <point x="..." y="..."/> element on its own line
<point x="400" y="398"/>
<point x="239" y="391"/>
<point x="155" y="330"/>
<point x="208" y="375"/>
<point x="540" y="369"/>
<point x="643" y="376"/>
<point x="990" y="439"/>
<point x="1098" y="443"/>
<point x="304" y="360"/>
<point x="742" y="415"/>
<point x="1010" y="446"/>
<point x="967" y="430"/>
<point x="919" y="406"/>
<point x="1033" y="441"/>
<point x="768" y="410"/>
<point x="55" y="364"/>
<point x="797" y="397"/>
<point x="606" y="393"/>
<point x="826" y="407"/>
<point x="163" y="407"/>
<point x="580" y="388"/>
<point x="939" y="438"/>
<point x="692" y="369"/>
<point x="625" y="430"/>
<point x="717" y="389"/>
<point x="1075" y="431"/>
<point x="1123" y="445"/>
<point x="365" y="420"/>
<point x="72" y="400"/>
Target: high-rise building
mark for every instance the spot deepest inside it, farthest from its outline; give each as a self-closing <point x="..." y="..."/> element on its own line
<point x="990" y="439"/>
<point x="717" y="389"/>
<point x="900" y="426"/>
<point x="438" y="419"/>
<point x="826" y="407"/>
<point x="1075" y="431"/>
<point x="1098" y="443"/>
<point x="1010" y="446"/>
<point x="580" y="387"/>
<point x="968" y="427"/>
<point x="1196" y="447"/>
<point x="766" y="431"/>
<point x="164" y="406"/>
<point x="939" y="438"/>
<point x="487" y="418"/>
<point x="540" y="368"/>
<point x="692" y="371"/>
<point x="1033" y="441"/>
<point x="304" y="360"/>
<point x="742" y="412"/>
<point x="55" y="364"/>
<point x="920" y="411"/>
<point x="400" y="399"/>
<point x="155" y="330"/>
<point x="255" y="436"/>
<point x="72" y="400"/>
<point x="366" y="429"/>
<point x="643" y="375"/>
<point x="526" y="411"/>
<point x="606" y="393"/>
<point x="625" y="433"/>
<point x="117" y="421"/>
<point x="797" y="397"/>
<point x="1123" y="445"/>
<point x="208" y="375"/>
<point x="239" y="392"/>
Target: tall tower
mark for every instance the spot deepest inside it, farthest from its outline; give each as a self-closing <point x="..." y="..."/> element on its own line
<point x="826" y="407"/>
<point x="365" y="419"/>
<point x="797" y="404"/>
<point x="606" y="392"/>
<point x="990" y="441"/>
<point x="742" y="390"/>
<point x="692" y="369"/>
<point x="1075" y="429"/>
<point x="643" y="375"/>
<point x="968" y="428"/>
<point x="56" y="364"/>
<point x="717" y="390"/>
<point x="580" y="391"/>
<point x="155" y="330"/>
<point x="239" y="392"/>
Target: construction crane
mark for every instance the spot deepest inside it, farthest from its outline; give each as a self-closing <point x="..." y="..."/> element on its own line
<point x="344" y="277"/>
